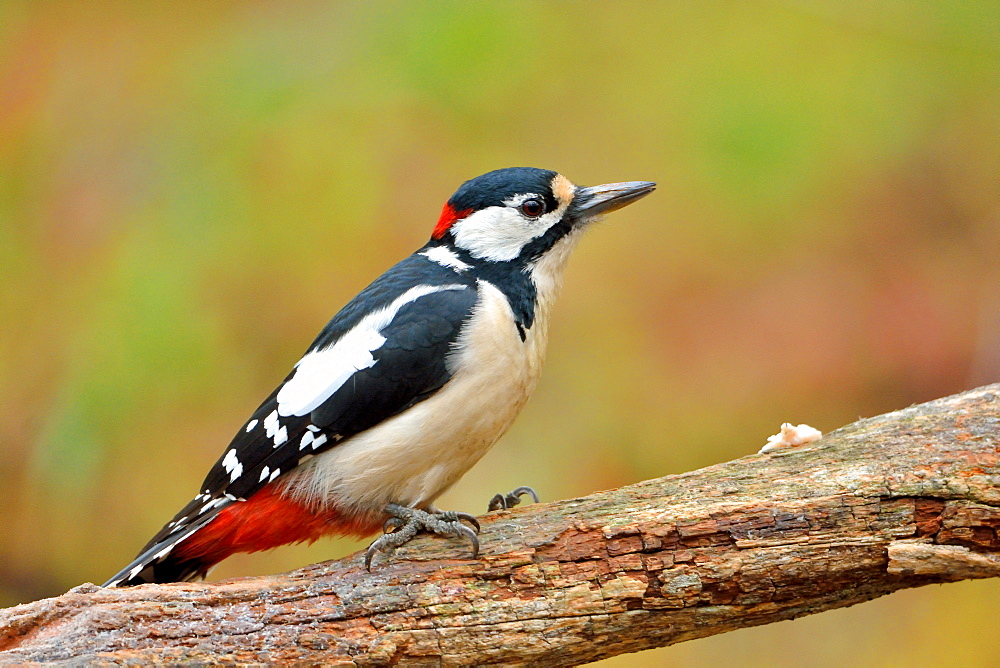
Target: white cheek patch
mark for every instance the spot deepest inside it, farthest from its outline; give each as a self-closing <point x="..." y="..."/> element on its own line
<point x="499" y="233"/>
<point x="323" y="371"/>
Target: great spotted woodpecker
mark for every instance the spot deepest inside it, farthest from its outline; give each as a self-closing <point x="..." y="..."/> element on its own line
<point x="403" y="391"/>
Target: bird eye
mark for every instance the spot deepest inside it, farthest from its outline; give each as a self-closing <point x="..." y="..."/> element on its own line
<point x="532" y="208"/>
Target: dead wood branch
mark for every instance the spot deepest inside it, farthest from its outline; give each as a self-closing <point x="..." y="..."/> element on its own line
<point x="900" y="500"/>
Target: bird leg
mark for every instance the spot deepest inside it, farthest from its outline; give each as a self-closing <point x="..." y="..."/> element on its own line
<point x="512" y="499"/>
<point x="405" y="523"/>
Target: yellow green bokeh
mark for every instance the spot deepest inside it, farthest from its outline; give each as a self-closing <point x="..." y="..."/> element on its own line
<point x="189" y="190"/>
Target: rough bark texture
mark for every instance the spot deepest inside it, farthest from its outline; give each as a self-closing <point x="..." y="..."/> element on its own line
<point x="900" y="500"/>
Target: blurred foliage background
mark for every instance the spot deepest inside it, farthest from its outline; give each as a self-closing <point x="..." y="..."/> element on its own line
<point x="188" y="191"/>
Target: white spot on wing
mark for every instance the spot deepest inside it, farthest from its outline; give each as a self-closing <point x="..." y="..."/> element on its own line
<point x="271" y="423"/>
<point x="211" y="504"/>
<point x="446" y="257"/>
<point x="322" y="372"/>
<point x="264" y="473"/>
<point x="232" y="465"/>
<point x="318" y="441"/>
<point x="307" y="438"/>
<point x="274" y="474"/>
<point x="251" y="425"/>
<point x="274" y="430"/>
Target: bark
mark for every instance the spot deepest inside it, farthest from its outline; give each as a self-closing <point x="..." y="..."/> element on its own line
<point x="900" y="500"/>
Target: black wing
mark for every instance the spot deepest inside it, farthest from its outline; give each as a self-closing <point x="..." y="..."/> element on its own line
<point x="422" y="307"/>
<point x="409" y="366"/>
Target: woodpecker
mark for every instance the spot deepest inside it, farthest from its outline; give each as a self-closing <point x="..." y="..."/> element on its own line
<point x="402" y="392"/>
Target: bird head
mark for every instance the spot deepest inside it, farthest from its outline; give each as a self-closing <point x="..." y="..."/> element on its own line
<point x="515" y="215"/>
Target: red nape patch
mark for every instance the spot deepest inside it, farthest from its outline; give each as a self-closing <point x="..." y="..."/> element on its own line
<point x="263" y="521"/>
<point x="448" y="217"/>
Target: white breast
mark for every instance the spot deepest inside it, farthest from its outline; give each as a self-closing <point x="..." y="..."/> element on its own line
<point x="413" y="457"/>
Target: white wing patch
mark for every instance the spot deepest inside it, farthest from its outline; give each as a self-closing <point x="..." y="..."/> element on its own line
<point x="307" y="438"/>
<point x="211" y="504"/>
<point x="271" y="424"/>
<point x="232" y="465"/>
<point x="274" y="430"/>
<point x="446" y="257"/>
<point x="161" y="554"/>
<point x="323" y="371"/>
<point x="173" y="542"/>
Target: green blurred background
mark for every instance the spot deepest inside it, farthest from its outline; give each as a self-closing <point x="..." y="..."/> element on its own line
<point x="188" y="191"/>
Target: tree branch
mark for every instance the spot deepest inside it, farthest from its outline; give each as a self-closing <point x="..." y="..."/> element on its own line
<point x="900" y="500"/>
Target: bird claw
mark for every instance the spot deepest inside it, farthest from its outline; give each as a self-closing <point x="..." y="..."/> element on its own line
<point x="471" y="519"/>
<point x="392" y="524"/>
<point x="473" y="538"/>
<point x="405" y="523"/>
<point x="502" y="501"/>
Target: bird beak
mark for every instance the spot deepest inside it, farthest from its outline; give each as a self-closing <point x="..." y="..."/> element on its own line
<point x="597" y="200"/>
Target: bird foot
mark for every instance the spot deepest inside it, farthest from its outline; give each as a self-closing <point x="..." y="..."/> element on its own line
<point x="502" y="501"/>
<point x="405" y="523"/>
